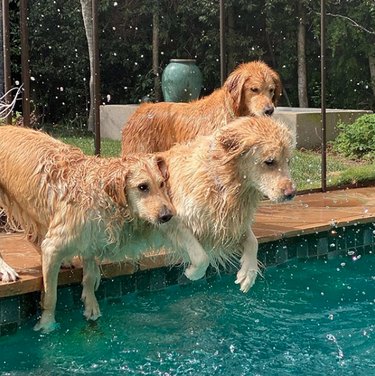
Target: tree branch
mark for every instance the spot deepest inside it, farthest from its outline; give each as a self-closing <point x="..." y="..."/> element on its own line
<point x="354" y="23"/>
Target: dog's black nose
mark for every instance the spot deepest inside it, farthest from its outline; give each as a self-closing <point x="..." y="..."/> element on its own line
<point x="165" y="218"/>
<point x="289" y="193"/>
<point x="165" y="214"/>
<point x="268" y="110"/>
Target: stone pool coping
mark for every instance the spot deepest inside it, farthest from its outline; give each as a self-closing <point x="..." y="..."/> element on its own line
<point x="317" y="225"/>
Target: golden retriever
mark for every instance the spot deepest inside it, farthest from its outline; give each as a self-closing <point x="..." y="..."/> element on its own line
<point x="215" y="183"/>
<point x="252" y="89"/>
<point x="75" y="205"/>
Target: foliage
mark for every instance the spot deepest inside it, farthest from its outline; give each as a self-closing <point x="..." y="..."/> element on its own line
<point x="264" y="30"/>
<point x="357" y="140"/>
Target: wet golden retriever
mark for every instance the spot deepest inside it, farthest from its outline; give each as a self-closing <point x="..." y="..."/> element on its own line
<point x="251" y="89"/>
<point x="75" y="205"/>
<point x="215" y="184"/>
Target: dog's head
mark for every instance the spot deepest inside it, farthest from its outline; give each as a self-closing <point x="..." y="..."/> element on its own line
<point x="254" y="88"/>
<point x="260" y="150"/>
<point x="142" y="188"/>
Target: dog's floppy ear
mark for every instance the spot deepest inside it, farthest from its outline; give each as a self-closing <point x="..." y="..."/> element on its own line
<point x="115" y="188"/>
<point x="162" y="165"/>
<point x="234" y="141"/>
<point x="230" y="142"/>
<point x="278" y="87"/>
<point x="234" y="84"/>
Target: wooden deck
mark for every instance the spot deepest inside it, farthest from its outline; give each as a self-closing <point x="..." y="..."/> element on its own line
<point x="308" y="213"/>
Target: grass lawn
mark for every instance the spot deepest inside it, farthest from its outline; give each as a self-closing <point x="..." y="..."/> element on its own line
<point x="306" y="165"/>
<point x="306" y="170"/>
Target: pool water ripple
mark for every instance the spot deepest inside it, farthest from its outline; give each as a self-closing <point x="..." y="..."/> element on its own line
<point x="305" y="318"/>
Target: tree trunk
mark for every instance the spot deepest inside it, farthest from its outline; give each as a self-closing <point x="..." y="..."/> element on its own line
<point x="371" y="60"/>
<point x="301" y="57"/>
<point x="155" y="52"/>
<point x="87" y="20"/>
<point x="231" y="64"/>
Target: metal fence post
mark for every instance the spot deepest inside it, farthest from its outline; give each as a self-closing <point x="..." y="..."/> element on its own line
<point x="25" y="64"/>
<point x="323" y="95"/>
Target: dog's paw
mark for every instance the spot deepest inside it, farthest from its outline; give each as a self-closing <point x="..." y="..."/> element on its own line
<point x="46" y="327"/>
<point x="194" y="272"/>
<point x="246" y="279"/>
<point x="7" y="274"/>
<point x="92" y="313"/>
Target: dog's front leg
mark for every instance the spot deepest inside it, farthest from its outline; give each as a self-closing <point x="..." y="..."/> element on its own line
<point x="90" y="283"/>
<point x="249" y="263"/>
<point x="184" y="238"/>
<point x="51" y="260"/>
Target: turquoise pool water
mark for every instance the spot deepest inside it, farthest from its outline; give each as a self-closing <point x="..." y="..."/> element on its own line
<point x="303" y="318"/>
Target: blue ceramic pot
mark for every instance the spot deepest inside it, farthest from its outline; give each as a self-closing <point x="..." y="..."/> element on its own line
<point x="181" y="81"/>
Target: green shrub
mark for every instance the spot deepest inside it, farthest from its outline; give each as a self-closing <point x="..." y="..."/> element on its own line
<point x="357" y="140"/>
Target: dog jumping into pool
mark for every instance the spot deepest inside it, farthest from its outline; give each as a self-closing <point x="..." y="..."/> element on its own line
<point x="215" y="184"/>
<point x="75" y="205"/>
<point x="252" y="89"/>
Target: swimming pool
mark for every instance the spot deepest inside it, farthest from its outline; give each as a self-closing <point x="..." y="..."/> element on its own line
<point x="310" y="317"/>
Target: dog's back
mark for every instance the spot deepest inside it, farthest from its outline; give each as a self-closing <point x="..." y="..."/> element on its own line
<point x="251" y="89"/>
<point x="157" y="127"/>
<point x="23" y="153"/>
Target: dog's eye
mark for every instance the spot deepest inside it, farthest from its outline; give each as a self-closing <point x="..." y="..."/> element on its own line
<point x="254" y="90"/>
<point x="143" y="187"/>
<point x="270" y="162"/>
<point x="272" y="91"/>
<point x="162" y="184"/>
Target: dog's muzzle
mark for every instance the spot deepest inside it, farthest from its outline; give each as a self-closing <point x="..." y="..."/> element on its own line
<point x="289" y="193"/>
<point x="268" y="110"/>
<point x="165" y="215"/>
